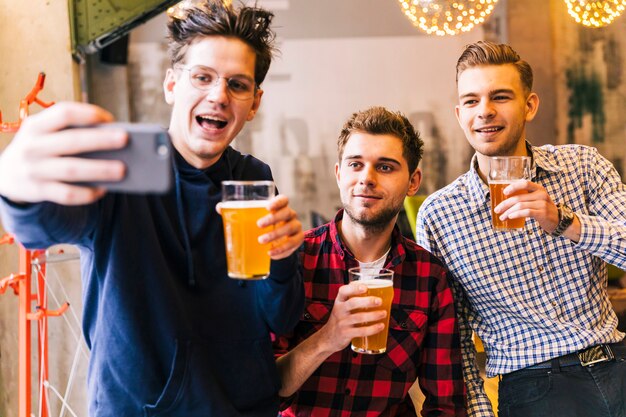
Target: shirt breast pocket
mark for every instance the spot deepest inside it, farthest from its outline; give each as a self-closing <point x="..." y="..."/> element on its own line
<point x="407" y="329"/>
<point x="316" y="314"/>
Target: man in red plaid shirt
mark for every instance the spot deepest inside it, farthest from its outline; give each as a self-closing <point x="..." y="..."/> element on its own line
<point x="378" y="156"/>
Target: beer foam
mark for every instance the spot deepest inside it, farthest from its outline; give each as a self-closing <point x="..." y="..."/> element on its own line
<point x="244" y="204"/>
<point x="376" y="283"/>
<point x="507" y="182"/>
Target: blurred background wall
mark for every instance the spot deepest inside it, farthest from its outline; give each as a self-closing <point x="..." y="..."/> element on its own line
<point x="338" y="56"/>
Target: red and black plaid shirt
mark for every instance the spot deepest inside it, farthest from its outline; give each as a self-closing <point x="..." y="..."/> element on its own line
<point x="423" y="336"/>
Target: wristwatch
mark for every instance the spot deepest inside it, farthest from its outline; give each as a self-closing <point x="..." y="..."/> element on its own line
<point x="566" y="217"/>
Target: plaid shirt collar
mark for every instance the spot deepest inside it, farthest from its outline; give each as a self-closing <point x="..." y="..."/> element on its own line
<point x="397" y="254"/>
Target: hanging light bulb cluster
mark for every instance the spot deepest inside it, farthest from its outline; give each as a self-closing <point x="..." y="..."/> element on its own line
<point x="447" y="17"/>
<point x="593" y="13"/>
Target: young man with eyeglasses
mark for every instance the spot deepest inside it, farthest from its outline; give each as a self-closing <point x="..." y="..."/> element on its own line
<point x="169" y="332"/>
<point x="379" y="152"/>
<point x="537" y="297"/>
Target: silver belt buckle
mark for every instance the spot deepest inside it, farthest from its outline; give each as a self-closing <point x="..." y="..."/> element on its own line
<point x="595" y="354"/>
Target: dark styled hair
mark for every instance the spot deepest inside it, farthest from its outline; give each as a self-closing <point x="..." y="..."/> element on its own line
<point x="380" y="121"/>
<point x="191" y="20"/>
<point x="489" y="53"/>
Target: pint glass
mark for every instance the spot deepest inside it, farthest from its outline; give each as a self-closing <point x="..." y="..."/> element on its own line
<point x="243" y="203"/>
<point x="379" y="283"/>
<point x="504" y="170"/>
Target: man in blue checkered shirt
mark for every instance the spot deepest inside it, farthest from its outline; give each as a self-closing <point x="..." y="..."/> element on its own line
<point x="537" y="298"/>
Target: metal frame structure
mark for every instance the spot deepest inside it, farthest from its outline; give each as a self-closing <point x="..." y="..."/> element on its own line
<point x="22" y="285"/>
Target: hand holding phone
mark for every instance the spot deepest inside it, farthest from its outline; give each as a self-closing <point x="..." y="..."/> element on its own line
<point x="39" y="163"/>
<point x="147" y="158"/>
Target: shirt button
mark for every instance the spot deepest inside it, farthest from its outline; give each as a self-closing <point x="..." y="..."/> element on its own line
<point x="307" y="316"/>
<point x="553" y="303"/>
<point x="540" y="268"/>
<point x="354" y="354"/>
<point x="530" y="232"/>
<point x="403" y="325"/>
<point x="347" y="391"/>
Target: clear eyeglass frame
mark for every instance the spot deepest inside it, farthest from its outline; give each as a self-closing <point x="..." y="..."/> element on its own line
<point x="206" y="78"/>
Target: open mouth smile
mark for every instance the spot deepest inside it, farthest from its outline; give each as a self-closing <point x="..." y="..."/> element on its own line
<point x="209" y="122"/>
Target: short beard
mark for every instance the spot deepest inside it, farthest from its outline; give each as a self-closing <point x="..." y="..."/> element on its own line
<point x="377" y="223"/>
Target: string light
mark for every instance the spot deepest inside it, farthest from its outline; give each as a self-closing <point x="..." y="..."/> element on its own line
<point x="447" y="17"/>
<point x="595" y="14"/>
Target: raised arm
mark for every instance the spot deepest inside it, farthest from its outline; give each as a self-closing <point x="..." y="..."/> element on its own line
<point x="38" y="164"/>
<point x="599" y="224"/>
<point x="298" y="364"/>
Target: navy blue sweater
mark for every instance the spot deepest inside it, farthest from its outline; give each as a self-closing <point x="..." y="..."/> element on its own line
<point x="170" y="334"/>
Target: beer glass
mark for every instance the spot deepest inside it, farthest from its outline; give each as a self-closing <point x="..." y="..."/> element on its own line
<point x="504" y="170"/>
<point x="379" y="283"/>
<point x="243" y="203"/>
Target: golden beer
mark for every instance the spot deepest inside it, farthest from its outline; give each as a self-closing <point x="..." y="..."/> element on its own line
<point x="503" y="171"/>
<point x="377" y="343"/>
<point x="496" y="189"/>
<point x="245" y="256"/>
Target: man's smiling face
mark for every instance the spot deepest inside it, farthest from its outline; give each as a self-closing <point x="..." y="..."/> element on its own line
<point x="493" y="109"/>
<point x="373" y="179"/>
<point x="205" y="122"/>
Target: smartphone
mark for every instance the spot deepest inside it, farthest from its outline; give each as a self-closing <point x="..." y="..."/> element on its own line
<point x="147" y="157"/>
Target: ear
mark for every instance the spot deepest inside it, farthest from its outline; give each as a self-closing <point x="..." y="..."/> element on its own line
<point x="414" y="182"/>
<point x="337" y="172"/>
<point x="532" y="105"/>
<point x="457" y="109"/>
<point x="255" y="104"/>
<point x="168" y="86"/>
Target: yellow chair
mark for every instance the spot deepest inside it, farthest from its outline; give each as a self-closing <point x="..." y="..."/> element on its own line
<point x="614" y="273"/>
<point x="411" y="207"/>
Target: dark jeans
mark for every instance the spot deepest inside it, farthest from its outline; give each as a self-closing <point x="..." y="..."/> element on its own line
<point x="567" y="391"/>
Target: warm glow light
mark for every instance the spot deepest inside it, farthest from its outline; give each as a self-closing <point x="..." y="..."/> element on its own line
<point x="447" y="17"/>
<point x="593" y="13"/>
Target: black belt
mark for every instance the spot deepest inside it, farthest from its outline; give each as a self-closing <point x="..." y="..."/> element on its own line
<point x="586" y="357"/>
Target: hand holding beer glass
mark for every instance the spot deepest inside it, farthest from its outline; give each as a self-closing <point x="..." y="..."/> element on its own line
<point x="243" y="204"/>
<point x="379" y="283"/>
<point x="504" y="170"/>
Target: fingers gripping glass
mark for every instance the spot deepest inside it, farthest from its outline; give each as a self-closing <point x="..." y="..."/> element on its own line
<point x="203" y="78"/>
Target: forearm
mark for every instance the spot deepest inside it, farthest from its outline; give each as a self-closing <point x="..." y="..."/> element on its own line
<point x="605" y="239"/>
<point x="43" y="224"/>
<point x="297" y="365"/>
<point x="602" y="211"/>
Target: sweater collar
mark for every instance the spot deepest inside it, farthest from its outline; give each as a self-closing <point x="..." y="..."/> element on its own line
<point x="220" y="171"/>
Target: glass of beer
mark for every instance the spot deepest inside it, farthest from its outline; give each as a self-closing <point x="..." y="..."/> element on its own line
<point x="379" y="283"/>
<point x="504" y="170"/>
<point x="243" y="204"/>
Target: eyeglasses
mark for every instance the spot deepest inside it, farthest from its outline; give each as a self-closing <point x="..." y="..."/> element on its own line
<point x="204" y="78"/>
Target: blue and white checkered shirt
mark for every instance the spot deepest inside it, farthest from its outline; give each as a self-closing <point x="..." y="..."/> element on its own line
<point x="529" y="296"/>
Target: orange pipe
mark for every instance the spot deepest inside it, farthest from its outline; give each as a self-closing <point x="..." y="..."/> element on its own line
<point x="24" y="338"/>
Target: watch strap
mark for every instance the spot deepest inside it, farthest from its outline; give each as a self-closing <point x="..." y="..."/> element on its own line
<point x="566" y="217"/>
